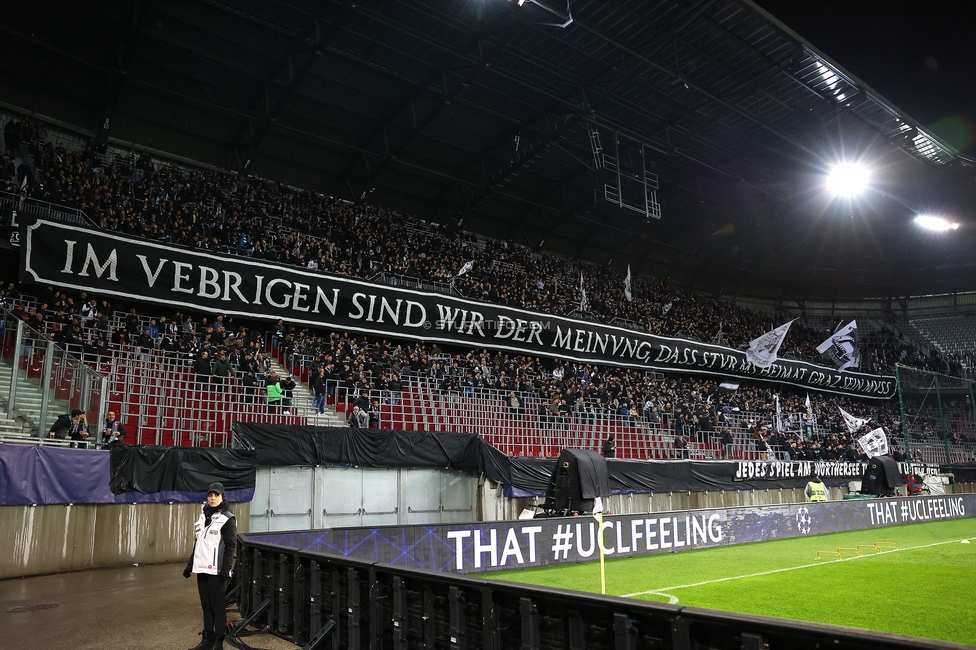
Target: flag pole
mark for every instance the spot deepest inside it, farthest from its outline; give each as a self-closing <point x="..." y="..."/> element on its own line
<point x="603" y="569"/>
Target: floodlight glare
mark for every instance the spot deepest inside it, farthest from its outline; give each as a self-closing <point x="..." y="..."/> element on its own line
<point x="847" y="179"/>
<point x="935" y="223"/>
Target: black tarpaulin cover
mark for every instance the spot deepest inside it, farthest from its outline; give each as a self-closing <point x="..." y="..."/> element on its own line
<point x="150" y="468"/>
<point x="881" y="477"/>
<point x="670" y="475"/>
<point x="290" y="445"/>
<point x="281" y="445"/>
<point x="579" y="477"/>
<point x="964" y="473"/>
<point x="594" y="480"/>
<point x="531" y="476"/>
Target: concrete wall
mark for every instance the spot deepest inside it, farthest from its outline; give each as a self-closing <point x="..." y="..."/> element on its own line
<point x="50" y="539"/>
<point x="312" y="498"/>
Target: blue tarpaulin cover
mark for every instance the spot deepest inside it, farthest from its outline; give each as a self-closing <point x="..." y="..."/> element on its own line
<point x="36" y="475"/>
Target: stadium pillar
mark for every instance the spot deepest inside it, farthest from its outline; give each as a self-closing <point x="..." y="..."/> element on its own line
<point x="972" y="403"/>
<point x="12" y="395"/>
<point x="901" y="407"/>
<point x="47" y="388"/>
<point x="942" y="424"/>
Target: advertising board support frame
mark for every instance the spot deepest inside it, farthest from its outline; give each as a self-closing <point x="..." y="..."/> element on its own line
<point x="605" y="622"/>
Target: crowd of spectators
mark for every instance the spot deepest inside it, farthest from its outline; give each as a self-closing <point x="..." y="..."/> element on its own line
<point x="370" y="369"/>
<point x="268" y="220"/>
<point x="271" y="221"/>
<point x="373" y="372"/>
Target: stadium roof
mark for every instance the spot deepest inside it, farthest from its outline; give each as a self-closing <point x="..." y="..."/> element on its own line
<point x="490" y="116"/>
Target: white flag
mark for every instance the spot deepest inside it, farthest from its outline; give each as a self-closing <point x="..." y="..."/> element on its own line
<point x="762" y="351"/>
<point x="584" y="303"/>
<point x="779" y="415"/>
<point x="874" y="443"/>
<point x="627" y="294"/>
<point x="841" y="348"/>
<point x="809" y="407"/>
<point x="666" y="308"/>
<point x="729" y="385"/>
<point x="464" y="269"/>
<point x="853" y="423"/>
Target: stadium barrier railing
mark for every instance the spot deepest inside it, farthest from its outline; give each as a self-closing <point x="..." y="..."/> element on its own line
<point x="161" y="401"/>
<point x="321" y="600"/>
<point x="45" y="380"/>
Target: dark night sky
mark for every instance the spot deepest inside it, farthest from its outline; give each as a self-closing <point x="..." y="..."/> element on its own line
<point x="920" y="56"/>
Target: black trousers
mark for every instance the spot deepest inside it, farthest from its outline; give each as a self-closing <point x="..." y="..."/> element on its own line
<point x="212" y="599"/>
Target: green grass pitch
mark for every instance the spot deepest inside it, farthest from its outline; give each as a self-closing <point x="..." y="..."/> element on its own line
<point x="927" y="587"/>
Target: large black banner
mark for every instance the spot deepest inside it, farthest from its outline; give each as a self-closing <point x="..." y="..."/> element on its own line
<point x="95" y="261"/>
<point x="530" y="476"/>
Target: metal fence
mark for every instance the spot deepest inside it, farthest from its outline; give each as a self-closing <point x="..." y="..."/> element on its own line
<point x="160" y="400"/>
<point x="531" y="430"/>
<point x="40" y="380"/>
<point x="13" y="206"/>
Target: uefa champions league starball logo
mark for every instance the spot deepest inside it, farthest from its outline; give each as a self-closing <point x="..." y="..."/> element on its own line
<point x="804" y="522"/>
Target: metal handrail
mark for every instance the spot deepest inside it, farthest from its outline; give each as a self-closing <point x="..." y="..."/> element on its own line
<point x="396" y="280"/>
<point x="16" y="203"/>
<point x="52" y="369"/>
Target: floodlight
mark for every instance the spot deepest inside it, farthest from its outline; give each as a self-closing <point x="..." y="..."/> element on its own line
<point x="847" y="179"/>
<point x="935" y="223"/>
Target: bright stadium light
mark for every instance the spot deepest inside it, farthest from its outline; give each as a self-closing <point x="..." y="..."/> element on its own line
<point x="564" y="16"/>
<point x="847" y="179"/>
<point x="935" y="223"/>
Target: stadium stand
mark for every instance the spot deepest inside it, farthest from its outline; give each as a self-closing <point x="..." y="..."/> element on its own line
<point x="953" y="335"/>
<point x="521" y="405"/>
<point x="267" y="220"/>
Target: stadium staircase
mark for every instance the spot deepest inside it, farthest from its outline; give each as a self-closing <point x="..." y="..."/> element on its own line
<point x="16" y="430"/>
<point x="301" y="402"/>
<point x="28" y="407"/>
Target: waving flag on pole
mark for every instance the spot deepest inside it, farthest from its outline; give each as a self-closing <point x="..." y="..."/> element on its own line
<point x="627" y="294"/>
<point x="841" y="348"/>
<point x="464" y="269"/>
<point x="853" y="423"/>
<point x="874" y="443"/>
<point x="584" y="303"/>
<point x="763" y="350"/>
<point x="779" y="414"/>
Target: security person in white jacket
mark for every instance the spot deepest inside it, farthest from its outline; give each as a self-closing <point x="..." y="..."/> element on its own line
<point x="214" y="548"/>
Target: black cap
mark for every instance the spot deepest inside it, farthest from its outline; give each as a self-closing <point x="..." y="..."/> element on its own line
<point x="75" y="412"/>
<point x="217" y="487"/>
